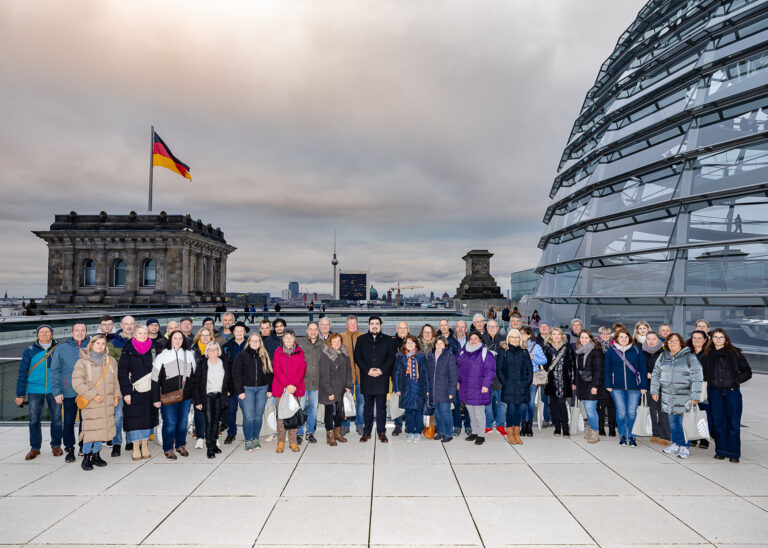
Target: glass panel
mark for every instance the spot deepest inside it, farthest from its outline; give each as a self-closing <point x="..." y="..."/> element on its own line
<point x="733" y="123"/>
<point x="558" y="253"/>
<point x="636" y="192"/>
<point x="649" y="155"/>
<point x="728" y="219"/>
<point x="735" y="77"/>
<point x="747" y="326"/>
<point x="638" y="237"/>
<point x="628" y="275"/>
<point x="739" y="268"/>
<point x="738" y="167"/>
<point x="89" y="273"/>
<point x="118" y="273"/>
<point x="596" y="315"/>
<point x="149" y="273"/>
<point x="557" y="284"/>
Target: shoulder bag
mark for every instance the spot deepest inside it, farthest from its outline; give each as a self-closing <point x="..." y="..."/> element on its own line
<point x="628" y="365"/>
<point x="80" y="400"/>
<point x="44" y="358"/>
<point x="541" y="377"/>
<point x="169" y="398"/>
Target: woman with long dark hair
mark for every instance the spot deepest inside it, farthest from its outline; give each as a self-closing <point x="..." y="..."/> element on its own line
<point x="589" y="380"/>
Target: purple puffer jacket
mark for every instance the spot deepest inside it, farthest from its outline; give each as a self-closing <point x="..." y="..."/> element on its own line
<point x="474" y="373"/>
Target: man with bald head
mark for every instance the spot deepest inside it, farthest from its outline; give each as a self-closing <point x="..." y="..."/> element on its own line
<point x="401" y="332"/>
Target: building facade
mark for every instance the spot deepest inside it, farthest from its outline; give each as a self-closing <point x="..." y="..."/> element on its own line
<point x="122" y="260"/>
<point x="660" y="205"/>
<point x="353" y="285"/>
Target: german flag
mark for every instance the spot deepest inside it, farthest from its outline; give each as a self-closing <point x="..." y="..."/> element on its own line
<point x="162" y="156"/>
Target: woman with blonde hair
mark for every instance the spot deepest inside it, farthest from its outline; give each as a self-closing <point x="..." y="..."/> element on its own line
<point x="561" y="371"/>
<point x="641" y="330"/>
<point x="95" y="378"/>
<point x="203" y="338"/>
<point x="515" y="371"/>
<point x="211" y="396"/>
<point x="252" y="377"/>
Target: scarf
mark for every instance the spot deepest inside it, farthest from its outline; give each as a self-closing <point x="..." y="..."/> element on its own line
<point x="652" y="349"/>
<point x="412" y="367"/>
<point x="623" y="349"/>
<point x="640" y="339"/>
<point x="558" y="346"/>
<point x="97" y="356"/>
<point x="142" y="347"/>
<point x="472" y="347"/>
<point x="585" y="348"/>
<point x="201" y="346"/>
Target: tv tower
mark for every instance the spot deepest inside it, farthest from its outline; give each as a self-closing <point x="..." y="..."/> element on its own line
<point x="335" y="263"/>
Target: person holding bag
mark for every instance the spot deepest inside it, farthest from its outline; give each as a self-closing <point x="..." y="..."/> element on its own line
<point x="98" y="393"/>
<point x="725" y="370"/>
<point x="562" y="362"/>
<point x="626" y="378"/>
<point x="290" y="368"/>
<point x="411" y="384"/>
<point x="172" y="391"/>
<point x="477" y="369"/>
<point x="443" y="374"/>
<point x="134" y="373"/>
<point x="335" y="372"/>
<point x="515" y="371"/>
<point x="653" y="347"/>
<point x="677" y="381"/>
<point x="538" y="363"/>
<point x="589" y="380"/>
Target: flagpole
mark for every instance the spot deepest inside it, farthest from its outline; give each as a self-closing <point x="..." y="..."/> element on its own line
<point x="151" y="153"/>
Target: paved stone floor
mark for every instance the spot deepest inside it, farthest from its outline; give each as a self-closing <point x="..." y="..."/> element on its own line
<point x="548" y="492"/>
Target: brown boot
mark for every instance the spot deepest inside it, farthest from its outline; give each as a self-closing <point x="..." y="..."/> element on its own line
<point x="294" y="447"/>
<point x="145" y="454"/>
<point x="136" y="452"/>
<point x="329" y="437"/>
<point x="516" y="434"/>
<point x="280" y="447"/>
<point x="338" y="435"/>
<point x="510" y="435"/>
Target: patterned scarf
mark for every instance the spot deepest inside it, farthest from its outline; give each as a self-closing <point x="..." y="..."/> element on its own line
<point x="412" y="367"/>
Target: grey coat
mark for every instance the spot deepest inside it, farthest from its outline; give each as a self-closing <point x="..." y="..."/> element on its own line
<point x="312" y="353"/>
<point x="678" y="379"/>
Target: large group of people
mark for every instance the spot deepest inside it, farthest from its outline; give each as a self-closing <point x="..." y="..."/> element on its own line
<point x="151" y="383"/>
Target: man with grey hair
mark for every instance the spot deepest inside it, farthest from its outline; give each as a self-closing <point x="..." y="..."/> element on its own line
<point x="115" y="347"/>
<point x="349" y="338"/>
<point x="496" y="411"/>
<point x="312" y="346"/>
<point x="460" y="335"/>
<point x="478" y="324"/>
<point x="227" y="321"/>
<point x="577" y="326"/>
<point x="325" y="328"/>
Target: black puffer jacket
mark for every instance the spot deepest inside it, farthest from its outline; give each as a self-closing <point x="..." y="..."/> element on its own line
<point x="494" y="345"/>
<point x="590" y="364"/>
<point x="725" y="368"/>
<point x="248" y="370"/>
<point x="514" y="371"/>
<point x="561" y="373"/>
<point x="133" y="365"/>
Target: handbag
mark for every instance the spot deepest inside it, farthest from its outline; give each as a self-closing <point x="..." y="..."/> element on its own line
<point x="695" y="426"/>
<point x="642" y="426"/>
<point x="177" y="395"/>
<point x="288" y="406"/>
<point x="577" y="418"/>
<point x="80" y="400"/>
<point x="429" y="429"/>
<point x="429" y="407"/>
<point x="394" y="407"/>
<point x="349" y="405"/>
<point x="585" y="375"/>
<point x="295" y="420"/>
<point x="144" y="384"/>
<point x="541" y="377"/>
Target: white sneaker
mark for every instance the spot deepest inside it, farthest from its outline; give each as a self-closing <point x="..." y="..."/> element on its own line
<point x="409" y="438"/>
<point x="684" y="453"/>
<point x="269" y="438"/>
<point x="416" y="438"/>
<point x="199" y="443"/>
<point x="672" y="449"/>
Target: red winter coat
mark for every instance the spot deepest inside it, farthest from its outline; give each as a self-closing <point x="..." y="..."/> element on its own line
<point x="289" y="369"/>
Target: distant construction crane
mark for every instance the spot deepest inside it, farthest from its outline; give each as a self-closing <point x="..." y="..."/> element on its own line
<point x="399" y="287"/>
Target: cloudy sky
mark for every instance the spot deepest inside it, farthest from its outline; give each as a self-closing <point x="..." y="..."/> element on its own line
<point x="417" y="130"/>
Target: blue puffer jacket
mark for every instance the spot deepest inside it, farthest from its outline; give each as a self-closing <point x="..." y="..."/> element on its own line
<point x="413" y="388"/>
<point x="64" y="359"/>
<point x="39" y="380"/>
<point x="619" y="376"/>
<point x="443" y="376"/>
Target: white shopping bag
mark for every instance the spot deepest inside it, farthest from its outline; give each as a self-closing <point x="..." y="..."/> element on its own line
<point x="288" y="406"/>
<point x="394" y="407"/>
<point x="349" y="405"/>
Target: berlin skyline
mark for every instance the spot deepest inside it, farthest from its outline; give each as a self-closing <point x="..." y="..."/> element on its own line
<point x="417" y="132"/>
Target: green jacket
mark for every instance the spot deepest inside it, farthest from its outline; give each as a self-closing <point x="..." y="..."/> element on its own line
<point x="677" y="379"/>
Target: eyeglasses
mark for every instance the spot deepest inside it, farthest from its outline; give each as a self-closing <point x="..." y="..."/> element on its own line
<point x="718" y="337"/>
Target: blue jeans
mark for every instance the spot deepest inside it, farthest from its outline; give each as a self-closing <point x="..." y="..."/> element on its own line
<point x="137" y="435"/>
<point x="443" y="419"/>
<point x="310" y="397"/>
<point x="726" y="407"/>
<point x="68" y="428"/>
<point x="175" y="424"/>
<point x="360" y="406"/>
<point x="118" y="439"/>
<point x="457" y="417"/>
<point x="626" y="409"/>
<point x="199" y="424"/>
<point x="35" y="412"/>
<point x="676" y="429"/>
<point x="253" y="411"/>
<point x="413" y="421"/>
<point x="547" y="411"/>
<point x="234" y="401"/>
<point x="91" y="447"/>
<point x="591" y="407"/>
<point x="514" y="412"/>
<point x="496" y="411"/>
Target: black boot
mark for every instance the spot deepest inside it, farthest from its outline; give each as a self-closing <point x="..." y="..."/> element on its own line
<point x="115" y="450"/>
<point x="96" y="459"/>
<point x="86" y="464"/>
<point x="557" y="429"/>
<point x="70" y="451"/>
<point x="704" y="444"/>
<point x="211" y="453"/>
<point x="566" y="430"/>
<point x="129" y="446"/>
<point x="529" y="432"/>
<point x="612" y="429"/>
<point x="398" y="430"/>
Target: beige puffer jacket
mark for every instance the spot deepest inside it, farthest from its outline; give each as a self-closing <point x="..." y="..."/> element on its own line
<point x="98" y="418"/>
